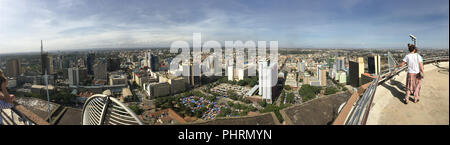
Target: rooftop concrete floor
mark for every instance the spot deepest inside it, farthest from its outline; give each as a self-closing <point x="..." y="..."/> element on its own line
<point x="432" y="109"/>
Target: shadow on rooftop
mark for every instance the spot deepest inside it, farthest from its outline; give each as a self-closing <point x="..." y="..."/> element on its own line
<point x="442" y="70"/>
<point x="395" y="91"/>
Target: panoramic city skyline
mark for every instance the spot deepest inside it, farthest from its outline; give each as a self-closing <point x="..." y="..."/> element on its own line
<point x="66" y="24"/>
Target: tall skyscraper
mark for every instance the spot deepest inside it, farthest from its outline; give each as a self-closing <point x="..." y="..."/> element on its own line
<point x="13" y="68"/>
<point x="230" y="73"/>
<point x="306" y="78"/>
<point x="355" y="71"/>
<point x="374" y="64"/>
<point x="195" y="74"/>
<point x="74" y="76"/>
<point x="90" y="60"/>
<point x="323" y="77"/>
<point x="330" y="62"/>
<point x="241" y="73"/>
<point x="187" y="75"/>
<point x="268" y="77"/>
<point x="340" y="63"/>
<point x="191" y="74"/>
<point x="261" y="64"/>
<point x="113" y="64"/>
<point x="100" y="70"/>
<point x="46" y="62"/>
<point x="318" y="72"/>
<point x="154" y="63"/>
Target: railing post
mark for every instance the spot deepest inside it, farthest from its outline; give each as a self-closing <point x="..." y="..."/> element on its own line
<point x="105" y="108"/>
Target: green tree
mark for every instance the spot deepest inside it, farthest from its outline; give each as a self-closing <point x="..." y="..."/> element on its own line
<point x="136" y="109"/>
<point x="331" y="90"/>
<point x="263" y="103"/>
<point x="242" y="82"/>
<point x="286" y="87"/>
<point x="224" y="112"/>
<point x="308" y="92"/>
<point x="62" y="97"/>
<point x="275" y="109"/>
<point x="232" y="95"/>
<point x="290" y="98"/>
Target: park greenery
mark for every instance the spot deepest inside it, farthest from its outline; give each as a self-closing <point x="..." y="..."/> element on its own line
<point x="290" y="97"/>
<point x="331" y="90"/>
<point x="274" y="108"/>
<point x="60" y="97"/>
<point x="172" y="101"/>
<point x="247" y="81"/>
<point x="136" y="109"/>
<point x="308" y="92"/>
<point x="286" y="87"/>
<point x="232" y="95"/>
<point x="236" y="109"/>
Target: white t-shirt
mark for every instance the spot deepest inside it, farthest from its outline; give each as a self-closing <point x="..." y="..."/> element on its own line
<point x="411" y="60"/>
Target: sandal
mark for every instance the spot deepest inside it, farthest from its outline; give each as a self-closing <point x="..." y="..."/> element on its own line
<point x="405" y="101"/>
<point x="417" y="101"/>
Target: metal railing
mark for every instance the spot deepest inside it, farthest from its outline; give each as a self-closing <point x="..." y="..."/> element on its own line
<point x="14" y="117"/>
<point x="358" y="115"/>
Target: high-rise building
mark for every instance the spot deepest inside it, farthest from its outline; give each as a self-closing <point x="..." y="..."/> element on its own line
<point x="90" y="63"/>
<point x="323" y="77"/>
<point x="191" y="75"/>
<point x="186" y="74"/>
<point x="59" y="63"/>
<point x="77" y="75"/>
<point x="301" y="67"/>
<point x="13" y="68"/>
<point x="100" y="70"/>
<point x="342" y="77"/>
<point x="318" y="71"/>
<point x="306" y="78"/>
<point x="261" y="64"/>
<point x="74" y="76"/>
<point x="46" y="62"/>
<point x="333" y="72"/>
<point x="330" y="62"/>
<point x="195" y="74"/>
<point x="374" y="64"/>
<point x="241" y="73"/>
<point x="113" y="64"/>
<point x="268" y="77"/>
<point x="230" y="73"/>
<point x="356" y="68"/>
<point x="154" y="63"/>
<point x="340" y="63"/>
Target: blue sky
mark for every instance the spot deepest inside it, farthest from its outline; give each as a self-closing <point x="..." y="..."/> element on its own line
<point x="73" y="24"/>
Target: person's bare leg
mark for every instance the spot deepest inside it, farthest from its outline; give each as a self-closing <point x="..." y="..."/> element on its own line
<point x="416" y="91"/>
<point x="407" y="89"/>
<point x="407" y="95"/>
